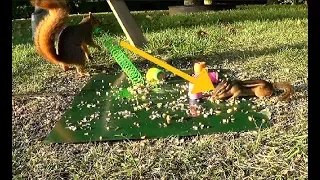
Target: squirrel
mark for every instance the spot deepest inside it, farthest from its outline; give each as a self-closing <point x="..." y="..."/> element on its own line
<point x="72" y="40"/>
<point x="259" y="88"/>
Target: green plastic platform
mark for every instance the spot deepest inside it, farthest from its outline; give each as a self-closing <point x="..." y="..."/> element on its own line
<point x="102" y="113"/>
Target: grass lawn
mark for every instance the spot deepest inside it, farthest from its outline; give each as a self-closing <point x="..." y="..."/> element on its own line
<point x="268" y="42"/>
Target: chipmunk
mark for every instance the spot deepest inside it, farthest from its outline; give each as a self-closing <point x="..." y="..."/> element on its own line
<point x="72" y="40"/>
<point x="259" y="88"/>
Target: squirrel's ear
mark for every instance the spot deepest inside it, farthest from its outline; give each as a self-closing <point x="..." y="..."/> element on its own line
<point x="90" y="14"/>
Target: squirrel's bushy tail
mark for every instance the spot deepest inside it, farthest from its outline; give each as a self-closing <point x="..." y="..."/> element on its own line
<point x="48" y="27"/>
<point x="288" y="90"/>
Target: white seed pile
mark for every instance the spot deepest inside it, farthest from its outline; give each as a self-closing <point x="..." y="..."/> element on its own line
<point x="83" y="124"/>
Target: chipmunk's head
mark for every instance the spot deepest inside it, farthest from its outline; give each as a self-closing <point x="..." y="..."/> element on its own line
<point x="219" y="89"/>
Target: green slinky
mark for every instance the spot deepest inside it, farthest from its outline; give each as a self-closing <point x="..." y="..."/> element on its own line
<point x="126" y="65"/>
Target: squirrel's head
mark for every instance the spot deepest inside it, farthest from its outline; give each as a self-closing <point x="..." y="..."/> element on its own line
<point x="94" y="21"/>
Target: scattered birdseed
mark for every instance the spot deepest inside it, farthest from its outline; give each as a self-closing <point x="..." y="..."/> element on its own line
<point x="72" y="128"/>
<point x="159" y="105"/>
<point x="136" y="124"/>
<point x="225" y="121"/>
<point x="169" y="119"/>
<point x="164" y="115"/>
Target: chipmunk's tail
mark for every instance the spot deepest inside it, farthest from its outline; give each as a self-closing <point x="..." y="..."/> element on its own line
<point x="288" y="90"/>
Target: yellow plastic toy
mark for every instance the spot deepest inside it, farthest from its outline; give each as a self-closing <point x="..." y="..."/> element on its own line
<point x="154" y="75"/>
<point x="198" y="66"/>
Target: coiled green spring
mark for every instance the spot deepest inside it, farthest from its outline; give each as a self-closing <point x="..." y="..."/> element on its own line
<point x="126" y="65"/>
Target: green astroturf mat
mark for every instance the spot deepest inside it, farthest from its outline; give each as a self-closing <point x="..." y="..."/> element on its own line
<point x="105" y="110"/>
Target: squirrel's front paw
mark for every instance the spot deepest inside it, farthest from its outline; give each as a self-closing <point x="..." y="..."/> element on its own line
<point x="90" y="58"/>
<point x="84" y="74"/>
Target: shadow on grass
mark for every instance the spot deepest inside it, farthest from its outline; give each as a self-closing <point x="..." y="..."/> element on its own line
<point x="216" y="59"/>
<point x="236" y="55"/>
<point x="160" y="20"/>
<point x="213" y="60"/>
<point x="163" y="21"/>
